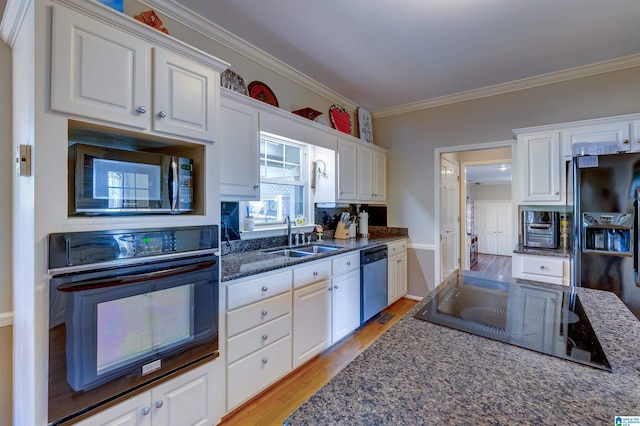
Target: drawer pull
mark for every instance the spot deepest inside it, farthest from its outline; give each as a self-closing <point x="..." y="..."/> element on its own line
<point x="335" y="286"/>
<point x="146" y="411"/>
<point x="348" y="263"/>
<point x="159" y="403"/>
<point x="264" y="313"/>
<point x="265" y="288"/>
<point x="265" y="360"/>
<point x="541" y="267"/>
<point x="315" y="274"/>
<point x="265" y="337"/>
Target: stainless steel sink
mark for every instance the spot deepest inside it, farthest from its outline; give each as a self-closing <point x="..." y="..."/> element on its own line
<point x="290" y="253"/>
<point x="315" y="249"/>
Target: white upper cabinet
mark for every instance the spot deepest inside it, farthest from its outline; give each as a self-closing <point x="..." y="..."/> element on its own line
<point x="239" y="148"/>
<point x="98" y="72"/>
<point x="112" y="76"/>
<point x="539" y="169"/>
<point x="597" y="139"/>
<point x="379" y="178"/>
<point x="184" y="97"/>
<point x="365" y="174"/>
<point x="347" y="170"/>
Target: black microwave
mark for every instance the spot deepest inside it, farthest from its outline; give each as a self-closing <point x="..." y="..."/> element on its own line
<point x="117" y="181"/>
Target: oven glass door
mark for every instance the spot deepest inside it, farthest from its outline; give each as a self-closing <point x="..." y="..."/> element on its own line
<point x="113" y="333"/>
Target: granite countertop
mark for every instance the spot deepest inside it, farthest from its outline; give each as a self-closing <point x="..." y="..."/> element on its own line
<point x="559" y="252"/>
<point x="252" y="262"/>
<point x="421" y="373"/>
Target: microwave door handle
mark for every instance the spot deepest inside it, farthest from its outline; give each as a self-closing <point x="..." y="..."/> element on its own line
<point x="173" y="183"/>
<point x="134" y="278"/>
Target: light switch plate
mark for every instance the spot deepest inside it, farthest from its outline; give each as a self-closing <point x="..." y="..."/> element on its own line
<point x="23" y="160"/>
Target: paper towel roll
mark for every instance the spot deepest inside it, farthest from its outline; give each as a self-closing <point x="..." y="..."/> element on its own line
<point x="364" y="224"/>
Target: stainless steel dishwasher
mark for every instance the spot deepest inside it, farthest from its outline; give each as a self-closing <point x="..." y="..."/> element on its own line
<point x="373" y="282"/>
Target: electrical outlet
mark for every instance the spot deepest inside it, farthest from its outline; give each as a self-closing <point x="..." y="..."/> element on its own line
<point x="23" y="160"/>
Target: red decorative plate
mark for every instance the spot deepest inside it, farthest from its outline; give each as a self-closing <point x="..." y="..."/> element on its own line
<point x="340" y="118"/>
<point x="260" y="91"/>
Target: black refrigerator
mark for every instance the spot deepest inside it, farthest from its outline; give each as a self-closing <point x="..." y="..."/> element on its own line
<point x="606" y="189"/>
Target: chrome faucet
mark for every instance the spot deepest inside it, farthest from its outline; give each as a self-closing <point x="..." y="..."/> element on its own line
<point x="288" y="222"/>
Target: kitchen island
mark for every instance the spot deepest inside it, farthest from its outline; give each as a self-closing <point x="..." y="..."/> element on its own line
<point x="423" y="373"/>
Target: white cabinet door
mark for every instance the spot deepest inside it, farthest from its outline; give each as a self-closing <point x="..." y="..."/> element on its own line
<point x="184" y="98"/>
<point x="397" y="271"/>
<point x="379" y="177"/>
<point x="345" y="304"/>
<point x="401" y="278"/>
<point x="392" y="279"/>
<point x="128" y="413"/>
<point x="239" y="148"/>
<point x="98" y="72"/>
<point x="347" y="170"/>
<point x="597" y="139"/>
<point x="311" y="321"/>
<point x="365" y="174"/>
<point x="539" y="168"/>
<point x="186" y="400"/>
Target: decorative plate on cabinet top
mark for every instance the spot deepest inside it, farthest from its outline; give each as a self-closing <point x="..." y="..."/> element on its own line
<point x="340" y="118"/>
<point x="364" y="122"/>
<point x="308" y="113"/>
<point x="232" y="81"/>
<point x="320" y="119"/>
<point x="260" y="91"/>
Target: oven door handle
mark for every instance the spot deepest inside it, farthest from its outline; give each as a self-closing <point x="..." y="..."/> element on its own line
<point x="134" y="278"/>
<point x="541" y="226"/>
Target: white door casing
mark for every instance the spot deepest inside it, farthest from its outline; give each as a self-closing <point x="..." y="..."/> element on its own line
<point x="449" y="217"/>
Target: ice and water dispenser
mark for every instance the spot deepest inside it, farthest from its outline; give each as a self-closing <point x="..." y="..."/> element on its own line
<point x="607" y="233"/>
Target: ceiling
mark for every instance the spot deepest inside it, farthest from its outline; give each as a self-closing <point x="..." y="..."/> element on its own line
<point x="387" y="53"/>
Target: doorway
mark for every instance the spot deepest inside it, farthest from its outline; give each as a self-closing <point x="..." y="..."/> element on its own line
<point x="467" y="159"/>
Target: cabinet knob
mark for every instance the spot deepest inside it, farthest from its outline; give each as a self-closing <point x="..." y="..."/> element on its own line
<point x="264" y="313"/>
<point x="159" y="403"/>
<point x="341" y="192"/>
<point x="541" y="267"/>
<point x="557" y="193"/>
<point x="265" y="360"/>
<point x="146" y="411"/>
<point x="335" y="286"/>
<point x="141" y="109"/>
<point x="330" y="288"/>
<point x="256" y="186"/>
<point x="625" y="141"/>
<point x="265" y="337"/>
<point x="162" y="114"/>
<point x="265" y="288"/>
<point x="348" y="263"/>
<point x="315" y="274"/>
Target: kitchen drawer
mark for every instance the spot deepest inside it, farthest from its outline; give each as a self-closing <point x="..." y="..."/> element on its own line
<point x="346" y="263"/>
<point x="257" y="338"/>
<point x="250" y="291"/>
<point x="259" y="313"/>
<point x="316" y="271"/>
<point x="397" y="247"/>
<point x="541" y="265"/>
<point x="255" y="372"/>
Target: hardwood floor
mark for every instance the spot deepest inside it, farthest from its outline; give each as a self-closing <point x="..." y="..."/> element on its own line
<point x="274" y="404"/>
<point x="495" y="265"/>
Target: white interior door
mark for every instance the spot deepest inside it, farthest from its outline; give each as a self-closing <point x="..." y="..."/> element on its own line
<point x="494" y="228"/>
<point x="449" y="217"/>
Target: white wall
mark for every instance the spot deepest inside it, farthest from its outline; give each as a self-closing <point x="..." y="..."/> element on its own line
<point x="489" y="192"/>
<point x="6" y="305"/>
<point x="412" y="137"/>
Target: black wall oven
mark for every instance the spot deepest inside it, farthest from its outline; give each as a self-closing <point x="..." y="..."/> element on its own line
<point x="127" y="308"/>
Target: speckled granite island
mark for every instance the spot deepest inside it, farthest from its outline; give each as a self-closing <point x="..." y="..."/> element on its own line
<point x="420" y="373"/>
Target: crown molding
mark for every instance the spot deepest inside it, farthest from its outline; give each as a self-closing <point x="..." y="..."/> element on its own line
<point x="218" y="34"/>
<point x="14" y="13"/>
<point x="526" y="83"/>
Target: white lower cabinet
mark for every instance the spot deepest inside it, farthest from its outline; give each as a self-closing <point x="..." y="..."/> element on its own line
<point x="188" y="399"/>
<point x="259" y="328"/>
<point x="345" y="295"/>
<point x="397" y="271"/>
<point x="311" y="308"/>
<point x="548" y="269"/>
